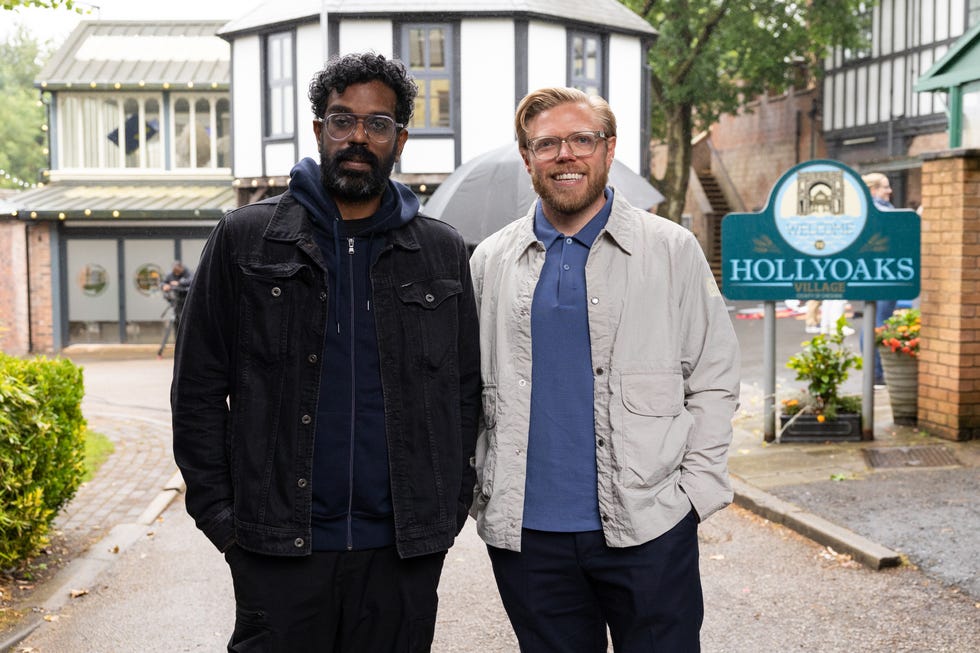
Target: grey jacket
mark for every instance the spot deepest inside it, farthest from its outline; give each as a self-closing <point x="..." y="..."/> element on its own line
<point x="666" y="369"/>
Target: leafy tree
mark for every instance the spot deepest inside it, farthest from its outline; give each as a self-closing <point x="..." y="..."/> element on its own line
<point x="712" y="55"/>
<point x="22" y="139"/>
<point x="43" y="4"/>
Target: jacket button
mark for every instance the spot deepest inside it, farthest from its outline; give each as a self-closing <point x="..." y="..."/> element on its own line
<point x="276" y="291"/>
<point x="298" y="542"/>
<point x="429" y="297"/>
<point x="323" y="295"/>
<point x="306" y="419"/>
<point x="605" y="518"/>
<point x="601" y="442"/>
<point x="301" y="482"/>
<point x="312" y="358"/>
<point x="599" y="371"/>
<point x="595" y="300"/>
<point x="522" y="383"/>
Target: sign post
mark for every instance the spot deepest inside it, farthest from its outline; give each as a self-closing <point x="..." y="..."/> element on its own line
<point x="820" y="237"/>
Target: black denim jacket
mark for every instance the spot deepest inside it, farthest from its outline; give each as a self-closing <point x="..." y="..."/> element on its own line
<point x="247" y="373"/>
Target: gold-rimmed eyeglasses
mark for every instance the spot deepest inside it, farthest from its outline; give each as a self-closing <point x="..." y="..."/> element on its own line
<point x="547" y="148"/>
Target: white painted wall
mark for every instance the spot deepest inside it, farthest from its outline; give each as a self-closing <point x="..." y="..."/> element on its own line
<point x="487" y="86"/>
<point x="547" y="51"/>
<point x="280" y="158"/>
<point x="309" y="60"/>
<point x="246" y="102"/>
<point x="625" y="93"/>
<point x="486" y="96"/>
<point x="366" y="36"/>
<point x="427" y="155"/>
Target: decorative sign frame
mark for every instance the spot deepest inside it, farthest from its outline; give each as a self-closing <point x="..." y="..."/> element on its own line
<point x="821" y="237"/>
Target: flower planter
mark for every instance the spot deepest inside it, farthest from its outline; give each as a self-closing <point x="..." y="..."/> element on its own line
<point x="902" y="378"/>
<point x="807" y="428"/>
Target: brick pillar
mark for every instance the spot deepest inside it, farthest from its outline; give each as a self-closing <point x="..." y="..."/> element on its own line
<point x="42" y="301"/>
<point x="949" y="362"/>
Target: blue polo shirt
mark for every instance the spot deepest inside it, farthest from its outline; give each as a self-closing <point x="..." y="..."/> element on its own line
<point x="560" y="487"/>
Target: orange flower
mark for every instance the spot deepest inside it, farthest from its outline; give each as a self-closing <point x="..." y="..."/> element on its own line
<point x="821" y="419"/>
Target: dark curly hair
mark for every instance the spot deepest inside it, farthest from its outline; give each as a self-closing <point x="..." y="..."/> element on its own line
<point x="341" y="72"/>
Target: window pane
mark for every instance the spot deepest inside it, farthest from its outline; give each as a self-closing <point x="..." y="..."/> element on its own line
<point x="418" y="117"/>
<point x="202" y="132"/>
<point x="71" y="118"/>
<point x="439" y="103"/>
<point x="437" y="50"/>
<point x="108" y="128"/>
<point x="182" y="131"/>
<point x="416" y="49"/>
<point x="224" y="133"/>
<point x="133" y="139"/>
<point x="427" y="49"/>
<point x="279" y="90"/>
<point x="578" y="57"/>
<point x="591" y="59"/>
<point x="154" y="148"/>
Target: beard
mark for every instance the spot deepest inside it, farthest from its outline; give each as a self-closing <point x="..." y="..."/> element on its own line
<point x="355" y="185"/>
<point x="566" y="202"/>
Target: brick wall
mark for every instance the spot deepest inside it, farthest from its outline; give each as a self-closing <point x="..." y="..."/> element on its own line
<point x="13" y="288"/>
<point x="949" y="363"/>
<point x="758" y="147"/>
<point x="42" y="306"/>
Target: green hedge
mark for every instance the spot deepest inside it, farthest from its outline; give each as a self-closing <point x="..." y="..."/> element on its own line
<point x="42" y="435"/>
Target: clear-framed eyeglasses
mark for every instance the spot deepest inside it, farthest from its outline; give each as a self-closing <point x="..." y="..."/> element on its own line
<point x="378" y="128"/>
<point x="546" y="148"/>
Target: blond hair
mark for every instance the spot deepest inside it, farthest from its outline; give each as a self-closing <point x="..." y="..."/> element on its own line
<point x="539" y="101"/>
<point x="874" y="179"/>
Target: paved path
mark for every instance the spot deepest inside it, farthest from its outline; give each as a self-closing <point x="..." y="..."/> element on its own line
<point x="766" y="588"/>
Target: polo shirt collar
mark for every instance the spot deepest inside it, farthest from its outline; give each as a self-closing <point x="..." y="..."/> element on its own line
<point x="547" y="234"/>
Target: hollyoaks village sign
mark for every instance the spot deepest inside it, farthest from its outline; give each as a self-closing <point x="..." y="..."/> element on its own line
<point x="821" y="237"/>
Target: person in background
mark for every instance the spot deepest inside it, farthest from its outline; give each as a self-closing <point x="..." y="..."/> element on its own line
<point x="611" y="375"/>
<point x="326" y="387"/>
<point x="881" y="194"/>
<point x="174" y="288"/>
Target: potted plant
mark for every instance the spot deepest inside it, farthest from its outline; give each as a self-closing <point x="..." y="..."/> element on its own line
<point x="898" y="344"/>
<point x="820" y="413"/>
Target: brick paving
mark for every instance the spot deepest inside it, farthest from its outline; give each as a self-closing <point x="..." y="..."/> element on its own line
<point x="127" y="482"/>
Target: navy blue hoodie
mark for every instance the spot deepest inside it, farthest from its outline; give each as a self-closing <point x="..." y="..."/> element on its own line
<point x="351" y="488"/>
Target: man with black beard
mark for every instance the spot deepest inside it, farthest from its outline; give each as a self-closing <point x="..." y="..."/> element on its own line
<point x="326" y="387"/>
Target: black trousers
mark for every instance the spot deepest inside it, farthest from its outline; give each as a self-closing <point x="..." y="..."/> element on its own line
<point x="563" y="589"/>
<point x="334" y="602"/>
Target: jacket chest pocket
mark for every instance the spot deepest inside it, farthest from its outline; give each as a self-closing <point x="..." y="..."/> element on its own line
<point x="431" y="316"/>
<point x="270" y="295"/>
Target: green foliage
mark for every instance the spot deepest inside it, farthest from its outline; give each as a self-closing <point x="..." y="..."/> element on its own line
<point x="713" y="55"/>
<point x="42" y="435"/>
<point x="43" y="4"/>
<point x="824" y="364"/>
<point x="22" y="155"/>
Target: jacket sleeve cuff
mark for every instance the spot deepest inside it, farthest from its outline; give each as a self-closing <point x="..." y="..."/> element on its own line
<point x="221" y="529"/>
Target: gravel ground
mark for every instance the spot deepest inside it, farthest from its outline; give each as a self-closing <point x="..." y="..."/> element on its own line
<point x="932" y="516"/>
<point x="767" y="590"/>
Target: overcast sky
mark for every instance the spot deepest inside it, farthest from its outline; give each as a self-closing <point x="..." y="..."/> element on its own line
<point x="56" y="24"/>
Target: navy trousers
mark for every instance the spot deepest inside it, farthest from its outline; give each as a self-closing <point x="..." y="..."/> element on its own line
<point x="563" y="589"/>
<point x="334" y="602"/>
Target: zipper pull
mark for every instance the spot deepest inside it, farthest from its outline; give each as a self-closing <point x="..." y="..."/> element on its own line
<point x="350" y="245"/>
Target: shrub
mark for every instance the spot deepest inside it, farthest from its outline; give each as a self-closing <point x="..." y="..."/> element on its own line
<point x="824" y="364"/>
<point x="42" y="435"/>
